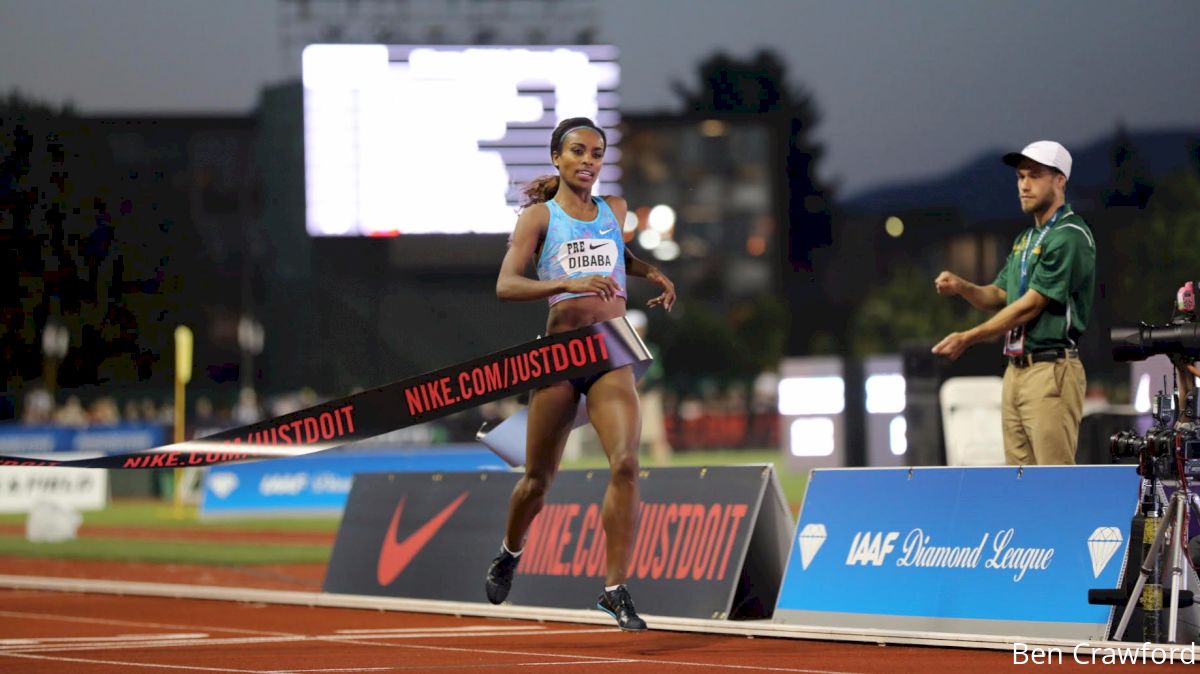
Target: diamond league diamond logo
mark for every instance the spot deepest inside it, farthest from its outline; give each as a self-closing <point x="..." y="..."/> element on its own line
<point x="811" y="538"/>
<point x="223" y="483"/>
<point x="1102" y="545"/>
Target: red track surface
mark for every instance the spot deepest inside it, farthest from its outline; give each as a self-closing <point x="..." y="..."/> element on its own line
<point x="101" y="634"/>
<point x="42" y="632"/>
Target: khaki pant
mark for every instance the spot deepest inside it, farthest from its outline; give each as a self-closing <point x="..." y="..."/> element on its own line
<point x="1040" y="410"/>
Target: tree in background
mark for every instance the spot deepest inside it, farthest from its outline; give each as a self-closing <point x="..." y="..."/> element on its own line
<point x="758" y="86"/>
<point x="889" y="317"/>
<point x="707" y="353"/>
<point x="61" y="208"/>
<point x="1132" y="183"/>
<point x="1160" y="245"/>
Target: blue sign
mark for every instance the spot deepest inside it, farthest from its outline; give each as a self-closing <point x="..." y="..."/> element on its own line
<point x="115" y="439"/>
<point x="321" y="482"/>
<point x="961" y="543"/>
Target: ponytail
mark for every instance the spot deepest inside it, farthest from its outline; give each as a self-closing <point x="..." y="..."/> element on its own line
<point x="539" y="190"/>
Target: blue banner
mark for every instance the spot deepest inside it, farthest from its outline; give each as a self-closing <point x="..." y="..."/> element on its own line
<point x="961" y="543"/>
<point x="115" y="439"/>
<point x="320" y="483"/>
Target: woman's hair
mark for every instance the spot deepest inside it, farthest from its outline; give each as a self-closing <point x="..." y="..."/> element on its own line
<point x="542" y="189"/>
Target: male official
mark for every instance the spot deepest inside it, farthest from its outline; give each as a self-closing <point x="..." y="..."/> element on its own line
<point x="1042" y="299"/>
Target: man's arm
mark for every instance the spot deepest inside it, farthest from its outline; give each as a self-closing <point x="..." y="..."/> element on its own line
<point x="987" y="298"/>
<point x="1025" y="309"/>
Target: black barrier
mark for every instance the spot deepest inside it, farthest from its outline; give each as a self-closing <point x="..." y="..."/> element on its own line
<point x="711" y="542"/>
<point x="567" y="355"/>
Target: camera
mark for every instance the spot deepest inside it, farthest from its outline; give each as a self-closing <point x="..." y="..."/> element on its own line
<point x="1170" y="448"/>
<point x="1182" y="339"/>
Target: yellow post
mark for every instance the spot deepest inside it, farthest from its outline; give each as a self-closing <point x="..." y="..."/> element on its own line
<point x="183" y="375"/>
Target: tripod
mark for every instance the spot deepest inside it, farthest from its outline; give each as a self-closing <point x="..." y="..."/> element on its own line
<point x="1175" y="520"/>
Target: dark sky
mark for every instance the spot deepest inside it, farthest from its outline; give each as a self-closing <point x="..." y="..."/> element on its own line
<point x="907" y="88"/>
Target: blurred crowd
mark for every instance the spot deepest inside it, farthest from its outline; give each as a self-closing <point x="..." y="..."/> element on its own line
<point x="39" y="408"/>
<point x="711" y="420"/>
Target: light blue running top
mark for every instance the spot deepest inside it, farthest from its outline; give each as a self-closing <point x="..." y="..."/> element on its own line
<point x="575" y="248"/>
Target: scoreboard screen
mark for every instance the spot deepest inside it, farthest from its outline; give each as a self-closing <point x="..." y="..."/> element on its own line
<point x="437" y="139"/>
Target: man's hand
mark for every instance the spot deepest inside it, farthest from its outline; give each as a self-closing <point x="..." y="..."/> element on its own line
<point x="953" y="345"/>
<point x="948" y="283"/>
<point x="667" y="298"/>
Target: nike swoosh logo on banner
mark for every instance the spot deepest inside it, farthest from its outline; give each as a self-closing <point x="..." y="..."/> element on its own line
<point x="395" y="556"/>
<point x="594" y="246"/>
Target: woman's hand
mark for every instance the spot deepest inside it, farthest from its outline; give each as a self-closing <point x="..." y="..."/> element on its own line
<point x="667" y="298"/>
<point x="604" y="286"/>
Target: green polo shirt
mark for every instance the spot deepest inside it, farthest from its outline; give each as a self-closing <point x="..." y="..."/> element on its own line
<point x="1063" y="268"/>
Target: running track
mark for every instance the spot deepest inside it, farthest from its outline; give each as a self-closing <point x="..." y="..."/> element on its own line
<point x="45" y="631"/>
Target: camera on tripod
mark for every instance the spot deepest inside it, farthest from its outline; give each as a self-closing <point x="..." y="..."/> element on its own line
<point x="1169" y="451"/>
<point x="1170" y="448"/>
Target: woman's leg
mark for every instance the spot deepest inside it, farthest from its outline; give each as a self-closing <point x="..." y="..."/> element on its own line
<point x="551" y="413"/>
<point x="613" y="408"/>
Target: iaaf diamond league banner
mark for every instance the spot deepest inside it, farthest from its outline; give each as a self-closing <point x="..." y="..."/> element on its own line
<point x="567" y="355"/>
<point x="1002" y="551"/>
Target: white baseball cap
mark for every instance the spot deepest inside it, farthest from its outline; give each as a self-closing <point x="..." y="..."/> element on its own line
<point x="1045" y="152"/>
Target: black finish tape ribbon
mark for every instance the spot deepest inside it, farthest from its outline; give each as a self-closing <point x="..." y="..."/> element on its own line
<point x="546" y="360"/>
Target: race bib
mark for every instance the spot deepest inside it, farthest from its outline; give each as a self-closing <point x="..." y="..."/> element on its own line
<point x="588" y="256"/>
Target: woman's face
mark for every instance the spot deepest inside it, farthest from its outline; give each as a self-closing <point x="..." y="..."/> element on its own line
<point x="580" y="157"/>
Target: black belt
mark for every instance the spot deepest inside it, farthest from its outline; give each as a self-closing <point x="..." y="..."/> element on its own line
<point x="1043" y="356"/>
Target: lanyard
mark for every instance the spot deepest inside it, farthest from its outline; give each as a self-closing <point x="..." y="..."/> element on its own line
<point x="1025" y="253"/>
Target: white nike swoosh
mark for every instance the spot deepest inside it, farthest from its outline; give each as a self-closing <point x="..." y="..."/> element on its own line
<point x="605" y="231"/>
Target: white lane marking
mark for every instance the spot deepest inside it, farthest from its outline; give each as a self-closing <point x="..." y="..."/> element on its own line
<point x="752" y="668"/>
<point x="456" y="635"/>
<point x="588" y="659"/>
<point x="38" y="641"/>
<point x="232" y="641"/>
<point x="203" y="640"/>
<point x="91" y="661"/>
<point x="133" y="623"/>
<point x="580" y="658"/>
<point x="467" y="628"/>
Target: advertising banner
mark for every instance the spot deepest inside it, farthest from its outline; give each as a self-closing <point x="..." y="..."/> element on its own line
<point x="75" y="488"/>
<point x="320" y="483"/>
<point x="1001" y="551"/>
<point x="115" y="439"/>
<point x="702" y="548"/>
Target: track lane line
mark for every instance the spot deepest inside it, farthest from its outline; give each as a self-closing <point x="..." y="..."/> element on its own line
<point x="283" y="636"/>
<point x="135" y="623"/>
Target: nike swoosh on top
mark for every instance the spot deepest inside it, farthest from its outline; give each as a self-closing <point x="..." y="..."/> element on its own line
<point x="395" y="556"/>
<point x="605" y="231"/>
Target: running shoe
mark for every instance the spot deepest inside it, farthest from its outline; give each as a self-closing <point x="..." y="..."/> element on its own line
<point x="500" y="576"/>
<point x="619" y="605"/>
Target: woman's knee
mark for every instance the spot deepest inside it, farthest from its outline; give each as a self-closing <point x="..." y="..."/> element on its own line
<point x="624" y="466"/>
<point x="535" y="485"/>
